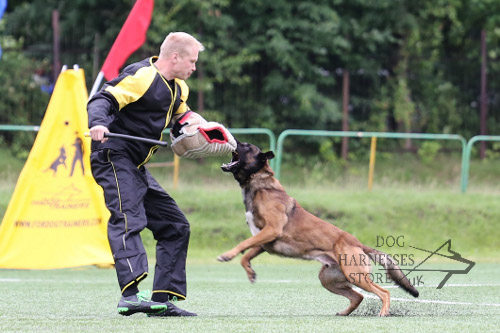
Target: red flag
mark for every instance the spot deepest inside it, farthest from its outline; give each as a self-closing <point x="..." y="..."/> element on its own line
<point x="130" y="38"/>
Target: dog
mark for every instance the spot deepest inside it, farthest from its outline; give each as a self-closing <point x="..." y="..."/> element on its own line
<point x="279" y="225"/>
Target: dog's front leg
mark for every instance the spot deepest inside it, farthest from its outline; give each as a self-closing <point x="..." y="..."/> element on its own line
<point x="266" y="235"/>
<point x="245" y="262"/>
<point x="269" y="214"/>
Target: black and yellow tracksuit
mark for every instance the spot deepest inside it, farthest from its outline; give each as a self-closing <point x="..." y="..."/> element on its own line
<point x="140" y="102"/>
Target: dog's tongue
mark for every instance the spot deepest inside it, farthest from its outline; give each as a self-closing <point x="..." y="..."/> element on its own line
<point x="229" y="166"/>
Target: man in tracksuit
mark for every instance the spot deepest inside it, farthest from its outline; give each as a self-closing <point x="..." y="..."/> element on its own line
<point x="142" y="101"/>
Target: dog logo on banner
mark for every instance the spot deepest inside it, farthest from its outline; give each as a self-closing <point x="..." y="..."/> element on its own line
<point x="60" y="160"/>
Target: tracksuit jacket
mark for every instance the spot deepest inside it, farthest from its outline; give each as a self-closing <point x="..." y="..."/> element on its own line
<point x="140" y="102"/>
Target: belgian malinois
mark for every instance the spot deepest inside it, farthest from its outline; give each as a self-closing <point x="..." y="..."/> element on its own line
<point x="279" y="225"/>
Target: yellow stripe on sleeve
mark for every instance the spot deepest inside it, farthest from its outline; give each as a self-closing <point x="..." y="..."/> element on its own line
<point x="184" y="96"/>
<point x="133" y="87"/>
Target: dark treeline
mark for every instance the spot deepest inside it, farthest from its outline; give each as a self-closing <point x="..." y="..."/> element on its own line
<point x="414" y="66"/>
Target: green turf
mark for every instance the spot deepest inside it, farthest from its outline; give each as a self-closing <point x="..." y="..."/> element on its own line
<point x="426" y="218"/>
<point x="287" y="297"/>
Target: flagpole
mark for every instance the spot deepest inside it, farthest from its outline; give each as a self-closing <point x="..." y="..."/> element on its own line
<point x="97" y="84"/>
<point x="130" y="38"/>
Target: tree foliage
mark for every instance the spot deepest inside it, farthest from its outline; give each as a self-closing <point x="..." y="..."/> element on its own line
<point x="414" y="66"/>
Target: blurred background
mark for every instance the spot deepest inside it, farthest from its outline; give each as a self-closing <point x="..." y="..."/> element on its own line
<point x="363" y="65"/>
<point x="387" y="65"/>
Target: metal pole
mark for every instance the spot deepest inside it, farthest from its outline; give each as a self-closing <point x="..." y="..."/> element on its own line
<point x="467" y="156"/>
<point x="352" y="134"/>
<point x="97" y="84"/>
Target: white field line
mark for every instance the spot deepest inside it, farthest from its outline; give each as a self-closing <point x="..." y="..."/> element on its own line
<point x="432" y="301"/>
<point x="452" y="285"/>
<point x="296" y="281"/>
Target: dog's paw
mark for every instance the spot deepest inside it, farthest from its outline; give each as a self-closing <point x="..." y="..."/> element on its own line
<point x="227" y="256"/>
<point x="252" y="276"/>
<point x="224" y="258"/>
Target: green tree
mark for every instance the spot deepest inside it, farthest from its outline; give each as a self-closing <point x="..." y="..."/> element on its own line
<point x="414" y="66"/>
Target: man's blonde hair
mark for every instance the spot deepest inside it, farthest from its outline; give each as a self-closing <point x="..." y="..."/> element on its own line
<point x="179" y="42"/>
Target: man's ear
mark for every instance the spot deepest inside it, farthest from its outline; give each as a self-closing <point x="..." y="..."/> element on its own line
<point x="269" y="155"/>
<point x="175" y="57"/>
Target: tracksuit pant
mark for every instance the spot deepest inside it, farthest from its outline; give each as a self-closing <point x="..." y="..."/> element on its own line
<point x="136" y="201"/>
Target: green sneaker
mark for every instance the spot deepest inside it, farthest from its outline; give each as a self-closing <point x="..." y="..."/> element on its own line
<point x="172" y="311"/>
<point x="140" y="302"/>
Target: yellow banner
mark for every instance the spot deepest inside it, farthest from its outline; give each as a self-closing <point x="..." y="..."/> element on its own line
<point x="56" y="217"/>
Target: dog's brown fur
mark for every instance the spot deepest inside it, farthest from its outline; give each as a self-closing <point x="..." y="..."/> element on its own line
<point x="281" y="226"/>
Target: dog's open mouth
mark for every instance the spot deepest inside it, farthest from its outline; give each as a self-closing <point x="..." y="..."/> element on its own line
<point x="231" y="166"/>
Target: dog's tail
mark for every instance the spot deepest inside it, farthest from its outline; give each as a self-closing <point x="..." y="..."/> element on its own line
<point x="392" y="269"/>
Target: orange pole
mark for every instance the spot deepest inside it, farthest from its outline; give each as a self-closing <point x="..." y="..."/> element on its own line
<point x="176" y="170"/>
<point x="373" y="149"/>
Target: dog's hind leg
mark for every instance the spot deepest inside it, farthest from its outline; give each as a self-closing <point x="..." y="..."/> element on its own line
<point x="382" y="293"/>
<point x="358" y="273"/>
<point x="333" y="279"/>
<point x="245" y="262"/>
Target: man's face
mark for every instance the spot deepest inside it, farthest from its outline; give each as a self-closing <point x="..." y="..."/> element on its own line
<point x="185" y="64"/>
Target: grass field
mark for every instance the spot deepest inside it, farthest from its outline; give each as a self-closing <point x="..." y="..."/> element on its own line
<point x="422" y="204"/>
<point x="287" y="297"/>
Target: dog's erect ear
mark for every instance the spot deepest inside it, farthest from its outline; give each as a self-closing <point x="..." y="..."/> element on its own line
<point x="268" y="155"/>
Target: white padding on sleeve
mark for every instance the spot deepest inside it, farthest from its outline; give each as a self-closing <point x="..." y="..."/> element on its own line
<point x="199" y="138"/>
